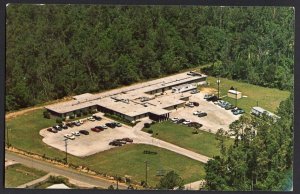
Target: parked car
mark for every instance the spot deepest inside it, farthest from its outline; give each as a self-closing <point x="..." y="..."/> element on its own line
<point x="212" y="99"/>
<point x="75" y="133"/>
<point x="115" y="143"/>
<point x="229" y="107"/>
<point x="68" y="136"/>
<point x="91" y="119"/>
<point x="206" y="96"/>
<point x="80" y="121"/>
<point x="180" y="121"/>
<point x="76" y="123"/>
<point x="196" y="103"/>
<point x="120" y="140"/>
<point x="85" y="132"/>
<point x="195" y="124"/>
<point x="190" y="104"/>
<point x="52" y="130"/>
<point x="196" y="113"/>
<point x="202" y="114"/>
<point x="239" y="111"/>
<point x="57" y="127"/>
<point x="111" y="125"/>
<point x="95" y="129"/>
<point x="186" y="122"/>
<point x="194" y="91"/>
<point x="234" y="109"/>
<point x="127" y="139"/>
<point x="174" y="119"/>
<point x="97" y="117"/>
<point x="118" y="124"/>
<point x="104" y="126"/>
<point x="100" y="128"/>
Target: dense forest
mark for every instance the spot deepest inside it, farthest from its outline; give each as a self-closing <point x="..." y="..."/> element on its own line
<point x="54" y="51"/>
<point x="261" y="157"/>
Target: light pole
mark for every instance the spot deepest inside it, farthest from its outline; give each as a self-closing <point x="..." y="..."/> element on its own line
<point x="218" y="82"/>
<point x="66" y="146"/>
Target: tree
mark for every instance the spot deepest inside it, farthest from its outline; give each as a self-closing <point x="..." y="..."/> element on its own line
<point x="170" y="181"/>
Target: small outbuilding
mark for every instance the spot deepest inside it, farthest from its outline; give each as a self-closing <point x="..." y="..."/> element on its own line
<point x="234" y="94"/>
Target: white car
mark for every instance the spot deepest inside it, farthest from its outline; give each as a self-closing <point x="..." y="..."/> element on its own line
<point x="196" y="113"/>
<point x="190" y="105"/>
<point x="80" y="121"/>
<point x="91" y="119"/>
<point x="104" y="126"/>
<point x="187" y="122"/>
<point x="68" y="136"/>
<point x="76" y="133"/>
<point x="174" y="119"/>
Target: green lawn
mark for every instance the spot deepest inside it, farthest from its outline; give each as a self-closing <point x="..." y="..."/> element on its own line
<point x="127" y="160"/>
<point x="202" y="143"/>
<point x="267" y="98"/>
<point x="18" y="174"/>
<point x="130" y="160"/>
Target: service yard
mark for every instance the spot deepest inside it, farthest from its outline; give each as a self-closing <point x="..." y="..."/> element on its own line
<point x="216" y="118"/>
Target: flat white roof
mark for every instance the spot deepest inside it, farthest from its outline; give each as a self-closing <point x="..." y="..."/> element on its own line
<point x="132" y="94"/>
<point x="234" y="92"/>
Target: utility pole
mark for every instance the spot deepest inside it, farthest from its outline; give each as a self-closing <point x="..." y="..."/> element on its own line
<point x="218" y="82"/>
<point x="66" y="146"/>
<point x="146" y="172"/>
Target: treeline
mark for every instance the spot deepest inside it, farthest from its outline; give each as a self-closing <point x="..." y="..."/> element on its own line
<point x="59" y="50"/>
<point x="261" y="157"/>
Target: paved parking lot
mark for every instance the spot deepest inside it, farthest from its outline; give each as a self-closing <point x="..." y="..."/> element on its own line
<point x="216" y="118"/>
<point x="85" y="145"/>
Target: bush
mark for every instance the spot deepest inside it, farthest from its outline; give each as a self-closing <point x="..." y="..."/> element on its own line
<point x="147" y="125"/>
<point x="46" y="114"/>
<point x="111" y="187"/>
<point x="150" y="131"/>
<point x="72" y="117"/>
<point x="79" y="114"/>
<point x="84" y="112"/>
<point x="59" y="120"/>
<point x="63" y="118"/>
<point x="93" y="111"/>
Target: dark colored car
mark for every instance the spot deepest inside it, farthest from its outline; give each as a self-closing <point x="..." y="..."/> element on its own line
<point x="95" y="129"/>
<point x="52" y="130"/>
<point x="76" y="123"/>
<point x="196" y="103"/>
<point x="111" y="125"/>
<point x="202" y="114"/>
<point x="127" y="139"/>
<point x="115" y="143"/>
<point x="180" y="121"/>
<point x="97" y="118"/>
<point x="85" y="132"/>
<point x="212" y="98"/>
<point x="195" y="124"/>
<point x="100" y="128"/>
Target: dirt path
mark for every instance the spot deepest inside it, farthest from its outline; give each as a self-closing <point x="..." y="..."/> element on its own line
<point x="23" y="111"/>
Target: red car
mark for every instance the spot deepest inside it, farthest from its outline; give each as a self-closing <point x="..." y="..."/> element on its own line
<point x="95" y="129"/>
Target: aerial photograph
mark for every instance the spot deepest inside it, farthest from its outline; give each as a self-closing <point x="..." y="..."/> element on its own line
<point x="152" y="97"/>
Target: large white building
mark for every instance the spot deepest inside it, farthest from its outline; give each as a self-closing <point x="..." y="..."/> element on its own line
<point x="148" y="99"/>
